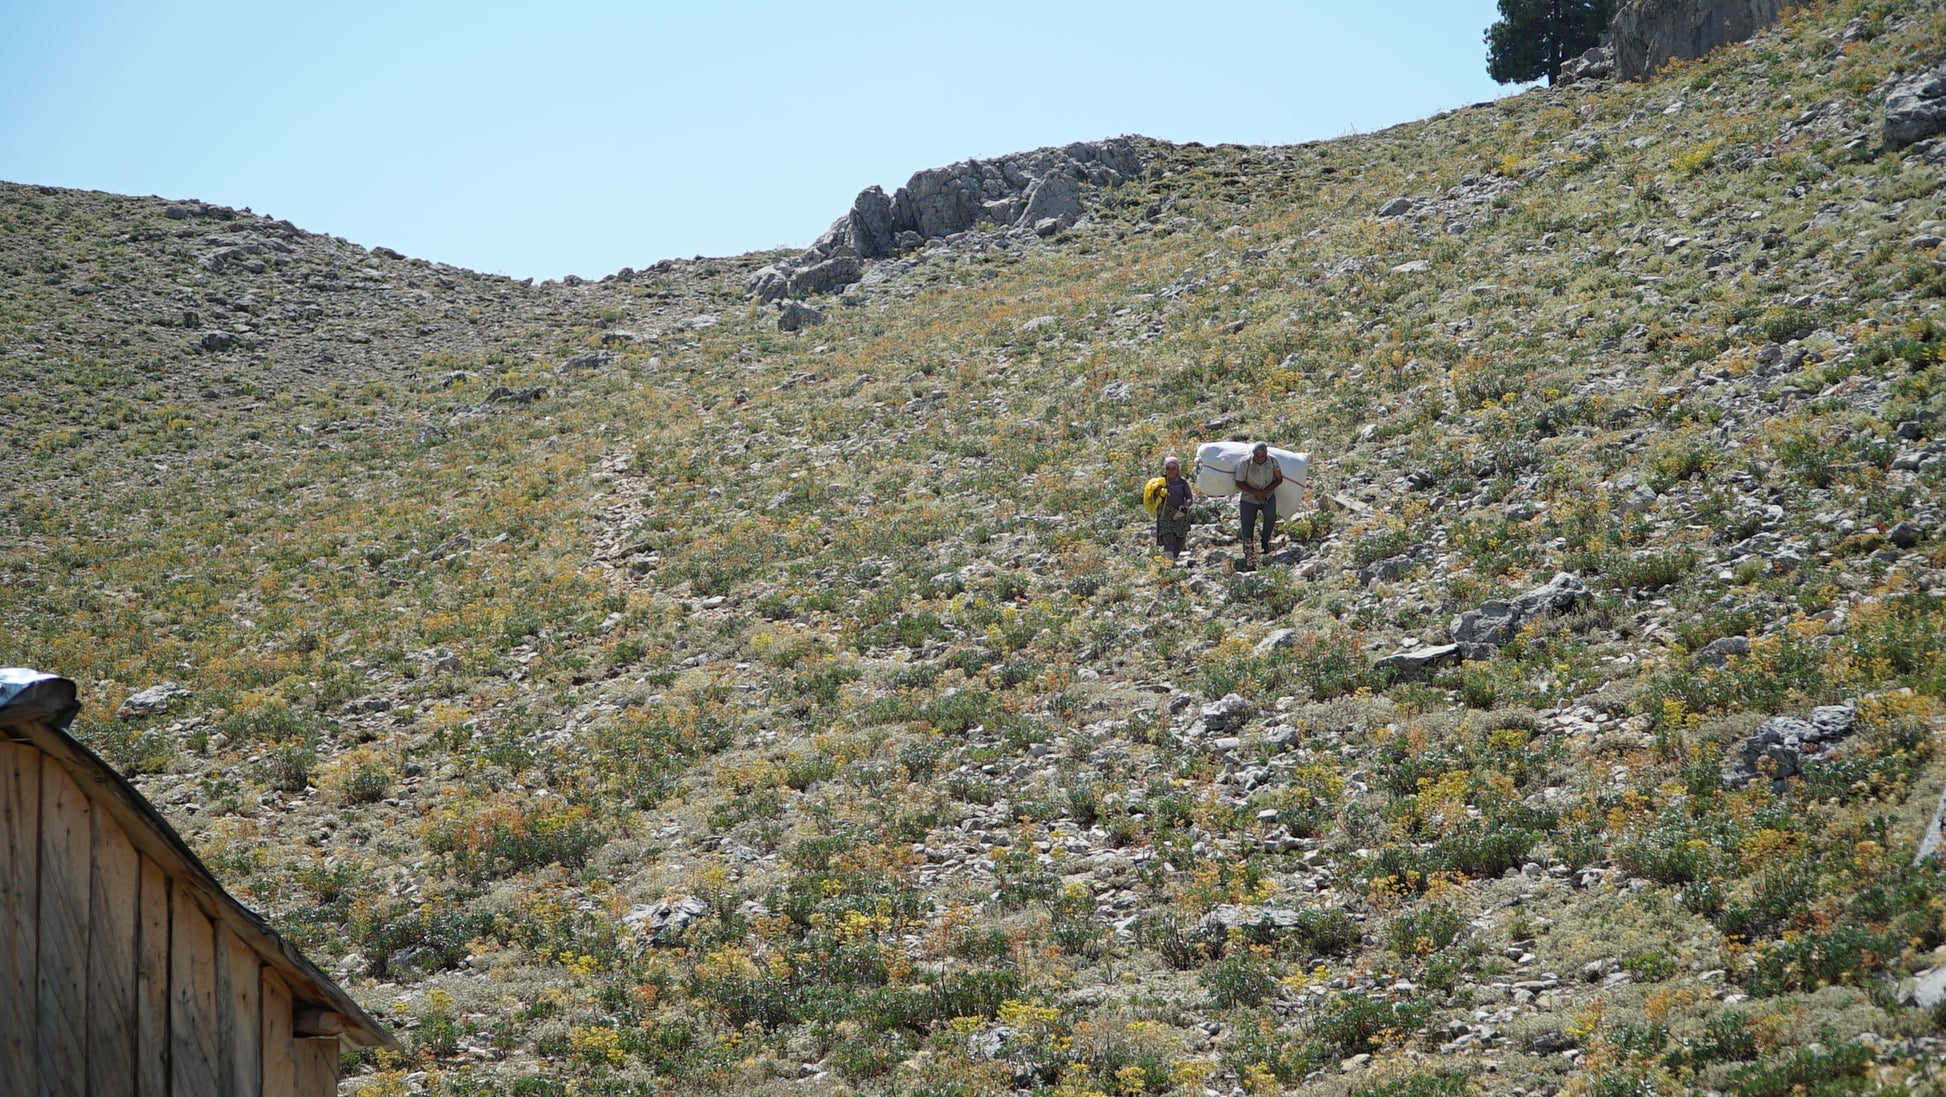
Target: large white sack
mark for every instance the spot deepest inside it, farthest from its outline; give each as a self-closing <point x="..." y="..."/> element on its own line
<point x="1216" y="472"/>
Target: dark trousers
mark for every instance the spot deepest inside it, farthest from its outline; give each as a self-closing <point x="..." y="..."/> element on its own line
<point x="1250" y="511"/>
<point x="1170" y="541"/>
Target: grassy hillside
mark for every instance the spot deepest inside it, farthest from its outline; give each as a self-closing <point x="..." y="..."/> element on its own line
<point x="621" y="695"/>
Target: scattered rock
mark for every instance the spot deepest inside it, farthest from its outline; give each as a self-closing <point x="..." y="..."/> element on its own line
<point x="1929" y="842"/>
<point x="591" y="360"/>
<point x="150" y="702"/>
<point x="796" y="316"/>
<point x="1782" y="745"/>
<point x="1925" y="990"/>
<point x="1552" y="1041"/>
<point x="1228" y="714"/>
<point x="1392" y="567"/>
<point x="1278" y="639"/>
<point x="1718" y="652"/>
<point x="1496" y="622"/>
<point x="1417" y="663"/>
<point x="501" y="394"/>
<point x="663" y="923"/>
<point x="1219" y="923"/>
<point x="437" y="660"/>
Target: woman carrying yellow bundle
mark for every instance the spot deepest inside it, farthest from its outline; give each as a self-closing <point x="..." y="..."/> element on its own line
<point x="1167" y="497"/>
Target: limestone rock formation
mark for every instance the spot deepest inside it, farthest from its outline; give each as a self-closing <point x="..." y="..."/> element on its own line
<point x="796" y="316"/>
<point x="1497" y="621"/>
<point x="1596" y="64"/>
<point x="1024" y="191"/>
<point x="1915" y="108"/>
<point x="1782" y="746"/>
<point x="1651" y="33"/>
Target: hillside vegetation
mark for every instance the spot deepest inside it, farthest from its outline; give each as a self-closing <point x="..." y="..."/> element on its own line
<point x="620" y="695"/>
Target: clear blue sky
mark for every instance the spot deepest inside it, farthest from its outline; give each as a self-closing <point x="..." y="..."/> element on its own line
<point x="582" y="137"/>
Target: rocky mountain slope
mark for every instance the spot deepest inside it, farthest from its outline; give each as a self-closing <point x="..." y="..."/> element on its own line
<point x="717" y="678"/>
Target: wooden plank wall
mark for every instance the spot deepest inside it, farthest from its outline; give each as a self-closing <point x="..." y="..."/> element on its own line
<point x="114" y="902"/>
<point x="152" y="984"/>
<point x="117" y="981"/>
<point x="20" y="844"/>
<point x="65" y="845"/>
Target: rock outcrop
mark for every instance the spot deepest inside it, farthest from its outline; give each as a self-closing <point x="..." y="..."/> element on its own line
<point x="1596" y="64"/>
<point x="1915" y="108"/>
<point x="1651" y="33"/>
<point x="1783" y="745"/>
<point x="1038" y="191"/>
<point x="1497" y="621"/>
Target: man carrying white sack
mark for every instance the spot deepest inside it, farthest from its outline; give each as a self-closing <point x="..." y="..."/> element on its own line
<point x="1257" y="480"/>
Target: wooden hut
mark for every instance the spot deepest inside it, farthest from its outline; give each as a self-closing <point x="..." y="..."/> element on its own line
<point x="125" y="968"/>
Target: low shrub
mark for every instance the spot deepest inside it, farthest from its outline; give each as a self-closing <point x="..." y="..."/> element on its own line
<point x="1425" y="931"/>
<point x="1262" y="1048"/>
<point x="1356" y="1024"/>
<point x="1243" y="977"/>
<point x="1443" y="1084"/>
<point x="1827" y="1072"/>
<point x="489" y="841"/>
<point x="1728" y="1037"/>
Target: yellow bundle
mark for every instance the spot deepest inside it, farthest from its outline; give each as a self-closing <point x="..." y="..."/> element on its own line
<point x="1153" y="493"/>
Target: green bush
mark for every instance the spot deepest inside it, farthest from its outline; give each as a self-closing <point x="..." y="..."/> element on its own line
<point x="1482" y="847"/>
<point x="1670" y="854"/>
<point x="1827" y="1072"/>
<point x="1245" y="976"/>
<point x="1426" y="930"/>
<point x="1355" y="1024"/>
<point x="1843" y="955"/>
<point x="429" y="934"/>
<point x="1382" y="545"/>
<point x="1174" y="938"/>
<point x="1263" y="1045"/>
<point x="368" y="782"/>
<point x="1442" y="1084"/>
<point x="1727" y="1038"/>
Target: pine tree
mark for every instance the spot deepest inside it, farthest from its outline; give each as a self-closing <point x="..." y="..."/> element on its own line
<point x="1534" y="37"/>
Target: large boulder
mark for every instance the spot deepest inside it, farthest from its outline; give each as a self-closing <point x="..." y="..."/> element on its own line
<point x="868" y="227"/>
<point x="1915" y="108"/>
<point x="1227" y="715"/>
<point x="796" y="316"/>
<point x="1596" y="64"/>
<point x="832" y="274"/>
<point x="1497" y="621"/>
<point x="150" y="702"/>
<point x="1782" y="746"/>
<point x="663" y="923"/>
<point x="1056" y="194"/>
<point x="1651" y="33"/>
<point x="1415" y="663"/>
